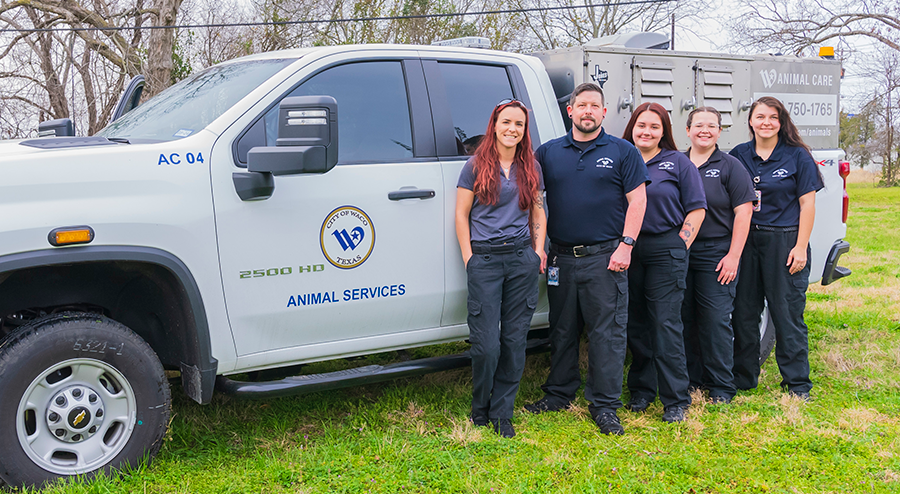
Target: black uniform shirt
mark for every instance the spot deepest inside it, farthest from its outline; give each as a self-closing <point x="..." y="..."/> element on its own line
<point x="727" y="185"/>
<point x="675" y="190"/>
<point x="789" y="173"/>
<point x="586" y="189"/>
<point x="502" y="221"/>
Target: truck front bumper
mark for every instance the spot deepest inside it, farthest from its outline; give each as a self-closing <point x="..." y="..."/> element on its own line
<point x="833" y="272"/>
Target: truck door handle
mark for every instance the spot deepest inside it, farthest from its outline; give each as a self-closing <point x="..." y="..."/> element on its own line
<point x="399" y="195"/>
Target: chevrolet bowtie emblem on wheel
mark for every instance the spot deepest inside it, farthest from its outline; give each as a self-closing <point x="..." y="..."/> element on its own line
<point x="347" y="237"/>
<point x="77" y="417"/>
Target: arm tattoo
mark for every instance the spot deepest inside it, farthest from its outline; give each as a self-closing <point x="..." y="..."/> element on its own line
<point x="687" y="230"/>
<point x="536" y="226"/>
<point x="539" y="202"/>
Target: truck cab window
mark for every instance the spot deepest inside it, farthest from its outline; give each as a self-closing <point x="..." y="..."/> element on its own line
<point x="373" y="112"/>
<point x="472" y="92"/>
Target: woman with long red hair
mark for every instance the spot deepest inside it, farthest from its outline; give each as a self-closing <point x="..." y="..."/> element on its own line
<point x="501" y="227"/>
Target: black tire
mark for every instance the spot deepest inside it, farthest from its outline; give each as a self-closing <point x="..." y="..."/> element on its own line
<point x="79" y="393"/>
<point x="766" y="336"/>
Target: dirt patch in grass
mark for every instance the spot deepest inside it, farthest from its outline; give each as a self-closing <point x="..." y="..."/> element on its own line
<point x="791" y="410"/>
<point x="579" y="410"/>
<point x="638" y="421"/>
<point x="748" y="418"/>
<point x="411" y="419"/>
<point x="875" y="291"/>
<point x="294" y="438"/>
<point x="861" y="419"/>
<point x="464" y="432"/>
<point x="854" y="356"/>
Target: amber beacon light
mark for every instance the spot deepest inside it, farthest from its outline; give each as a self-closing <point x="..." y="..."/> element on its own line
<point x="71" y="235"/>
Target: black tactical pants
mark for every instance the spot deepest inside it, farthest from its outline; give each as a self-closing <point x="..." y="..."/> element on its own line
<point x="592" y="297"/>
<point x="765" y="277"/>
<point x="503" y="293"/>
<point x="656" y="283"/>
<point x="706" y="313"/>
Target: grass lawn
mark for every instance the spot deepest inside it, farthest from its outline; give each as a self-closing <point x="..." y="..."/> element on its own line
<point x="413" y="436"/>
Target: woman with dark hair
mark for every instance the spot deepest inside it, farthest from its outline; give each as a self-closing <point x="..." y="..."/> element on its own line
<point x="656" y="278"/>
<point x="775" y="262"/>
<point x="501" y="227"/>
<point x="714" y="258"/>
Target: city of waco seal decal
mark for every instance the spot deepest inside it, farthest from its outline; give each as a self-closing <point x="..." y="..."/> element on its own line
<point x="347" y="237"/>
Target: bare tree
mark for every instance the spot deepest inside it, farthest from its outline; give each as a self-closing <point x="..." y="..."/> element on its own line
<point x="402" y="24"/>
<point x="67" y="59"/>
<point x="560" y="28"/>
<point x="886" y="73"/>
<point x="793" y="26"/>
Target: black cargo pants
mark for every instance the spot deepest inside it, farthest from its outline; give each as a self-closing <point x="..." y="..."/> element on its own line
<point x="592" y="297"/>
<point x="706" y="314"/>
<point x="765" y="277"/>
<point x="656" y="283"/>
<point x="503" y="293"/>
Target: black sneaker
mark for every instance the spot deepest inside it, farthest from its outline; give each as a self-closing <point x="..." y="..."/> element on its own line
<point x="638" y="405"/>
<point x="504" y="427"/>
<point x="479" y="419"/>
<point x="720" y="400"/>
<point x="608" y="422"/>
<point x="674" y="414"/>
<point x="545" y="404"/>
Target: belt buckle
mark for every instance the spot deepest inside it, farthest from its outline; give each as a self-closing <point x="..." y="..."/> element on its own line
<point x="576" y="249"/>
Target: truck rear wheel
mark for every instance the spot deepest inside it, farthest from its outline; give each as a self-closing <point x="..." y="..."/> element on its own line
<point x="81" y="393"/>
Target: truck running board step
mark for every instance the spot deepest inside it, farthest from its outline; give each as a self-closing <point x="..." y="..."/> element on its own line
<point x="369" y="374"/>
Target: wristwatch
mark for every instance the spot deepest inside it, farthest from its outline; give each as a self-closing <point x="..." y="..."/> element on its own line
<point x="628" y="240"/>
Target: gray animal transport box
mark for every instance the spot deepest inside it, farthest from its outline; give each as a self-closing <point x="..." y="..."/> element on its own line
<point x="631" y="73"/>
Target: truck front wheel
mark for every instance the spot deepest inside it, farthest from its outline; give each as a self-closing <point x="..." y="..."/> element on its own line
<point x="80" y="393"/>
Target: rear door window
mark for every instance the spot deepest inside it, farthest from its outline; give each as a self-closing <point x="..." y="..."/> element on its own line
<point x="472" y="92"/>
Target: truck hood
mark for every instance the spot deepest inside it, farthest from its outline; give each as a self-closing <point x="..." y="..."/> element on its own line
<point x="9" y="149"/>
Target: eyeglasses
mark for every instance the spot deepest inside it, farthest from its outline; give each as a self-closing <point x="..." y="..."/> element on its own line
<point x="704" y="126"/>
<point x="507" y="101"/>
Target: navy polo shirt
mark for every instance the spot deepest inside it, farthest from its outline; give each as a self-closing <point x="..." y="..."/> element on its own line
<point x="675" y="189"/>
<point x="727" y="185"/>
<point x="586" y="189"/>
<point x="502" y="221"/>
<point x="789" y="173"/>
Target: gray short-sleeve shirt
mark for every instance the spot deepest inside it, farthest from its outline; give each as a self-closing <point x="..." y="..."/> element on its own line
<point x="504" y="220"/>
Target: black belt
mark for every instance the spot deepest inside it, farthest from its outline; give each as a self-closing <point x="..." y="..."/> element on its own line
<point x="774" y="228"/>
<point x="584" y="250"/>
<point x="502" y="247"/>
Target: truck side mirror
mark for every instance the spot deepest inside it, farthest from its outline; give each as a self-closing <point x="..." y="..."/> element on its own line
<point x="307" y="138"/>
<point x="307" y="143"/>
<point x="61" y="127"/>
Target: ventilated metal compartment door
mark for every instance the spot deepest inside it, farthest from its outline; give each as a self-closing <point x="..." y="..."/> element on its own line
<point x="724" y="86"/>
<point x="654" y="82"/>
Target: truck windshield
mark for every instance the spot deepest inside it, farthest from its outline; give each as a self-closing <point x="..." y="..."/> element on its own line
<point x="190" y="105"/>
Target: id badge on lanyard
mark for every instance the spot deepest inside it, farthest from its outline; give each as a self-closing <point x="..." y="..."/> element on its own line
<point x="553" y="274"/>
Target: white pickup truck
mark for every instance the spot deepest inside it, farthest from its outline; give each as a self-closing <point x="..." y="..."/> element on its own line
<point x="270" y="211"/>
